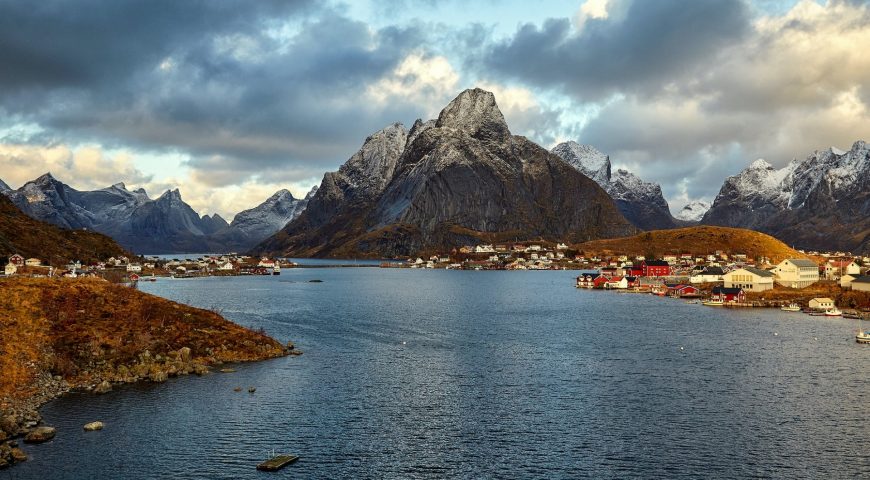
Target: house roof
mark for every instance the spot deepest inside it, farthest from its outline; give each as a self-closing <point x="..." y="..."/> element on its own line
<point x="656" y="263"/>
<point x="759" y="272"/>
<point x="862" y="279"/>
<point x="801" y="262"/>
<point x="713" y="271"/>
<point x="823" y="300"/>
<point x="727" y="291"/>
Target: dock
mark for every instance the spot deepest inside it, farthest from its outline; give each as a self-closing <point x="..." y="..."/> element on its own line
<point x="277" y="463"/>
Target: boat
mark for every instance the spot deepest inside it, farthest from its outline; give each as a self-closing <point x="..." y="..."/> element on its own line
<point x="792" y="307"/>
<point x="276" y="270"/>
<point x="863" y="336"/>
<point x="833" y="312"/>
<point x="713" y="303"/>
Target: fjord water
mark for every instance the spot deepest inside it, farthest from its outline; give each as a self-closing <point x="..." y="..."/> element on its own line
<point x="444" y="374"/>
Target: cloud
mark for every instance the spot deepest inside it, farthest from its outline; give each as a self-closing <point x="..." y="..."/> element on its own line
<point x="86" y="167"/>
<point x="648" y="45"/>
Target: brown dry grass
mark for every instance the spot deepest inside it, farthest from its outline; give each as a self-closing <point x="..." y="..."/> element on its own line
<point x="85" y="328"/>
<point x="32" y="238"/>
<point x="802" y="296"/>
<point x="699" y="240"/>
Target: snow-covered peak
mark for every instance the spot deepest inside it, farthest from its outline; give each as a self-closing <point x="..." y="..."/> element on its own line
<point x="693" y="211"/>
<point x="837" y="151"/>
<point x="585" y="158"/>
<point x="311" y="192"/>
<point x="4" y="188"/>
<point x="760" y="164"/>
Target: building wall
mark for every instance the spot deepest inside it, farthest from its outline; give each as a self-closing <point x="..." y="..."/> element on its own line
<point x="748" y="281"/>
<point x="861" y="287"/>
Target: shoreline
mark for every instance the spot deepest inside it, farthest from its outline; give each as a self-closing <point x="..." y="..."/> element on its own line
<point x="90" y="349"/>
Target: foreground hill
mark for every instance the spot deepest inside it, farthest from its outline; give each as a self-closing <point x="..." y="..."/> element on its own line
<point x="700" y="240"/>
<point x="33" y="238"/>
<point x="460" y="179"/>
<point x="820" y="203"/>
<point x="58" y="334"/>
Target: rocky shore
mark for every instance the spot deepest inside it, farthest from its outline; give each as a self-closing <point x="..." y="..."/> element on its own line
<point x="63" y="335"/>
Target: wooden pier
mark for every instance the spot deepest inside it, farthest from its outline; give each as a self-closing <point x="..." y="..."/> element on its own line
<point x="277" y="463"/>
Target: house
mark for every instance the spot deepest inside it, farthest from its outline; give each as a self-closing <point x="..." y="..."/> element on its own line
<point x="33" y="262"/>
<point x="587" y="279"/>
<point x="484" y="249"/>
<point x="266" y="263"/>
<point x="16" y="260"/>
<point x="134" y="267"/>
<point x="749" y="279"/>
<point x="683" y="291"/>
<point x="821" y="303"/>
<point x="728" y="295"/>
<point x="10" y="269"/>
<point x="861" y="284"/>
<point x="600" y="282"/>
<point x="655" y="268"/>
<point x="226" y="266"/>
<point x="835" y="269"/>
<point x="616" y="282"/>
<point x="846" y="280"/>
<point x="796" y="273"/>
<point x="561" y="246"/>
<point x="708" y="275"/>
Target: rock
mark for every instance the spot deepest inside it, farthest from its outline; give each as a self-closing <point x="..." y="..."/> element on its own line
<point x="159" y="377"/>
<point x="103" y="387"/>
<point x="200" y="369"/>
<point x="237" y="389"/>
<point x="290" y="346"/>
<point x="40" y="434"/>
<point x="184" y="354"/>
<point x="315" y="281"/>
<point x="18" y="455"/>
<point x="252" y="389"/>
<point x="227" y="370"/>
<point x="9" y="424"/>
<point x="93" y="426"/>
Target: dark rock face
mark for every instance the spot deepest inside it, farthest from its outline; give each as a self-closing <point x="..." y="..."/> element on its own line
<point x="642" y="203"/>
<point x="821" y="203"/>
<point x="461" y="179"/>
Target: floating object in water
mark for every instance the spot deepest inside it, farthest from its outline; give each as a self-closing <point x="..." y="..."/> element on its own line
<point x="775" y="334"/>
<point x="227" y="370"/>
<point x="404" y="343"/>
<point x="681" y="348"/>
<point x="277" y="463"/>
<point x="237" y="389"/>
<point x="252" y="389"/>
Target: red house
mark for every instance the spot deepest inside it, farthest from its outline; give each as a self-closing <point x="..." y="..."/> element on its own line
<point x="728" y="295"/>
<point x="600" y="281"/>
<point x="687" y="291"/>
<point x="634" y="271"/>
<point x="16" y="260"/>
<point x="655" y="268"/>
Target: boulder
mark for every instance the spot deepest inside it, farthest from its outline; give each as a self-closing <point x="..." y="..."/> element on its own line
<point x="159" y="377"/>
<point x="200" y="369"/>
<point x="103" y="387"/>
<point x="93" y="426"/>
<point x="18" y="455"/>
<point x="40" y="434"/>
<point x="184" y="354"/>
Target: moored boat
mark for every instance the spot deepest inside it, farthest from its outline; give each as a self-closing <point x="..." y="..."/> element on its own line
<point x="833" y="312"/>
<point x="792" y="307"/>
<point x="713" y="303"/>
<point x="863" y="336"/>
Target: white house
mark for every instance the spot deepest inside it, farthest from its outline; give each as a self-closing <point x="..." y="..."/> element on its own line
<point x="846" y="280"/>
<point x="226" y="266"/>
<point x="796" y="273"/>
<point x="708" y="275"/>
<point x="10" y="269"/>
<point x="861" y="284"/>
<point x="835" y="269"/>
<point x="134" y="267"/>
<point x="33" y="262"/>
<point x="749" y="279"/>
<point x="821" y="303"/>
<point x="484" y="248"/>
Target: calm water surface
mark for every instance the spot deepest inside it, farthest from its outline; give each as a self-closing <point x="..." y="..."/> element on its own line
<point x="446" y="374"/>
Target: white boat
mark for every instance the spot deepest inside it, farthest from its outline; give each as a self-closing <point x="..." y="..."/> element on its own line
<point x="833" y="312"/>
<point x="863" y="336"/>
<point x="713" y="303"/>
<point x="792" y="307"/>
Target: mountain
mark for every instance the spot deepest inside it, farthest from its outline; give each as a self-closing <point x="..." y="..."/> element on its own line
<point x="254" y="225"/>
<point x="822" y="202"/>
<point x="460" y="179"/>
<point x="693" y="211"/>
<point x="4" y="188"/>
<point x="698" y="240"/>
<point x="26" y="236"/>
<point x="642" y="203"/>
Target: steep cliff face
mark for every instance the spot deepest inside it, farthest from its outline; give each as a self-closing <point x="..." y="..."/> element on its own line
<point x="642" y="203"/>
<point x="822" y="202"/>
<point x="254" y="225"/>
<point x="460" y="179"/>
<point x="693" y="211"/>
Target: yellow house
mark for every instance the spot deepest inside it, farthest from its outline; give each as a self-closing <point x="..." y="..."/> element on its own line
<point x="796" y="273"/>
<point x="749" y="279"/>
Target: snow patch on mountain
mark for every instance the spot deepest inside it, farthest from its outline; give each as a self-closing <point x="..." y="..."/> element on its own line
<point x="693" y="211"/>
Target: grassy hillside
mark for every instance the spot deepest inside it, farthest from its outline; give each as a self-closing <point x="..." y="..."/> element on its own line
<point x="88" y="330"/>
<point x="699" y="240"/>
<point x="33" y="238"/>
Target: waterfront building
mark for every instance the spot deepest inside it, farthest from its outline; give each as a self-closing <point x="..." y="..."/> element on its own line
<point x="796" y="273"/>
<point x="749" y="279"/>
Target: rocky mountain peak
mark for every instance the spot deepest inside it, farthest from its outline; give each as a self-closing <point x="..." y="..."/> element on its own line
<point x="476" y="113"/>
<point x="4" y="188"/>
<point x="311" y="192"/>
<point x="587" y="159"/>
<point x="760" y="164"/>
<point x="119" y="186"/>
<point x="372" y="166"/>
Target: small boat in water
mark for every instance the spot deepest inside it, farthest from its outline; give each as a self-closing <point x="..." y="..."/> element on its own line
<point x="792" y="307"/>
<point x="833" y="312"/>
<point x="863" y="336"/>
<point x="713" y="303"/>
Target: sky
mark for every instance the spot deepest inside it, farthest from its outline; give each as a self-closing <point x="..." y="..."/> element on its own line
<point x="230" y="101"/>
